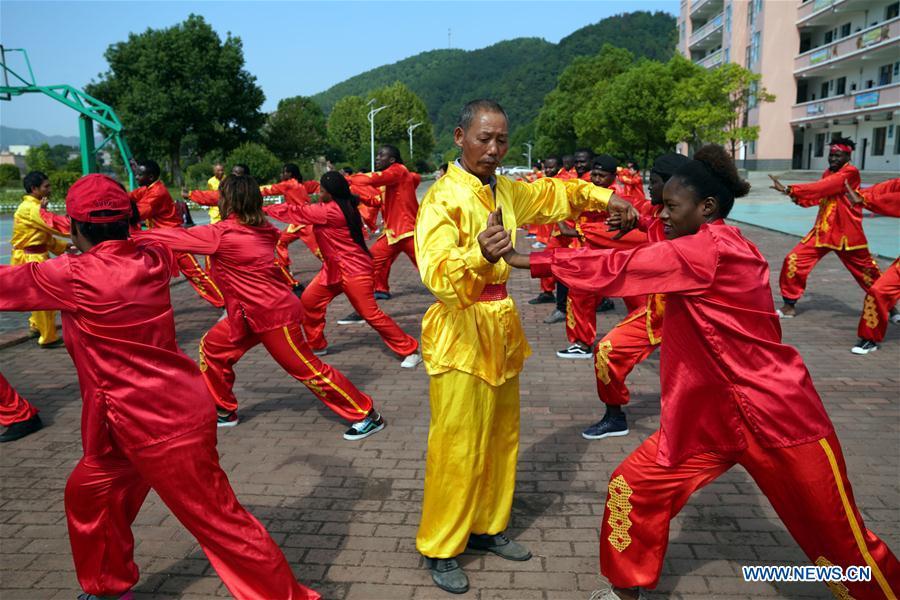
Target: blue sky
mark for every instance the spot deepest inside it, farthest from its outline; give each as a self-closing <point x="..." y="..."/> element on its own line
<point x="291" y="47"/>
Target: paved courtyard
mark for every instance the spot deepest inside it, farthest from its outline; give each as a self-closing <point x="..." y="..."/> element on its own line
<point x="346" y="513"/>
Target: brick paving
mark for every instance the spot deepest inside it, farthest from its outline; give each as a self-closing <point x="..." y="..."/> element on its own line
<point x="346" y="513"/>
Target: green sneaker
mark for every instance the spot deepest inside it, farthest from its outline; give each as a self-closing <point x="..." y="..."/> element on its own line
<point x="500" y="545"/>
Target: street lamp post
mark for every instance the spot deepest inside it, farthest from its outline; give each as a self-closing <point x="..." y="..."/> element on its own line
<point x="372" y="112"/>
<point x="409" y="130"/>
<point x="528" y="145"/>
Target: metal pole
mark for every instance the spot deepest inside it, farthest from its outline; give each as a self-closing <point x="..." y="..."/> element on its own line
<point x="88" y="152"/>
<point x="410" y="130"/>
<point x="372" y="114"/>
<point x="529" y="145"/>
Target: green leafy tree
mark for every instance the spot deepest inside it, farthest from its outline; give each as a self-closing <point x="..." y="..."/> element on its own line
<point x="296" y="131"/>
<point x="711" y="107"/>
<point x="9" y="174"/>
<point x="348" y="131"/>
<point x="38" y="158"/>
<point x="555" y="125"/>
<point x="61" y="181"/>
<point x="264" y="166"/>
<point x="404" y="107"/>
<point x="166" y="84"/>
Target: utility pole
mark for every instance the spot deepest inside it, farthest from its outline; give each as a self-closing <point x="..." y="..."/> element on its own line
<point x="409" y="130"/>
<point x="528" y="145"/>
<point x="372" y="112"/>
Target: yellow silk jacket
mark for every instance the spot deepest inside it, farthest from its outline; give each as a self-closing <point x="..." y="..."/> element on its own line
<point x="484" y="339"/>
<point x="30" y="229"/>
<point x="213" y="184"/>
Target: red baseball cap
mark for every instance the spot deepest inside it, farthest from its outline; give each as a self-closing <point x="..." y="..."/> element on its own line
<point x="97" y="192"/>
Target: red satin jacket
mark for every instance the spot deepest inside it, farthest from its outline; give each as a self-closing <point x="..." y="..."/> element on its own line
<point x="137" y="386"/>
<point x="399" y="206"/>
<point x="242" y="264"/>
<point x="882" y="198"/>
<point x="722" y="363"/>
<point x="293" y="191"/>
<point x="156" y="206"/>
<point x="341" y="256"/>
<point x="839" y="222"/>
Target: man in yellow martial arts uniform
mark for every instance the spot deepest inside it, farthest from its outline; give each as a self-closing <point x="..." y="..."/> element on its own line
<point x="33" y="239"/>
<point x="213" y="184"/>
<point x="472" y="340"/>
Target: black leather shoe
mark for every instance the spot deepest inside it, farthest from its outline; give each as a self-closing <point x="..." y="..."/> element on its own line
<point x="543" y="298"/>
<point x="18" y="430"/>
<point x="448" y="575"/>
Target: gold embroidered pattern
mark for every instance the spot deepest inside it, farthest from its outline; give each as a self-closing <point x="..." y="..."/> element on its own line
<point x="570" y="314"/>
<point x="619" y="509"/>
<point x="203" y="354"/>
<point x="870" y="312"/>
<point x="791" y="265"/>
<point x="601" y="361"/>
<point x="838" y="590"/>
<point x="827" y="207"/>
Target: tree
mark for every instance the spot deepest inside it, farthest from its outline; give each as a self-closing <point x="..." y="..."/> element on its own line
<point x="38" y="158"/>
<point x="348" y="131"/>
<point x="264" y="166"/>
<point x="712" y="105"/>
<point x="9" y="174"/>
<point x="555" y="127"/>
<point x="296" y="131"/>
<point x="404" y="107"/>
<point x="166" y="84"/>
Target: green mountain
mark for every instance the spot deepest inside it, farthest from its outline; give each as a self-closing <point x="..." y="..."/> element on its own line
<point x="517" y="73"/>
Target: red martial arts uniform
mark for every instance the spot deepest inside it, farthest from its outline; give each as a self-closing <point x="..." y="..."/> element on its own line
<point x="293" y="192"/>
<point x="261" y="309"/>
<point x="838" y="228"/>
<point x="399" y="208"/>
<point x="732" y="393"/>
<point x="13" y="407"/>
<point x="883" y="198"/>
<point x="157" y="209"/>
<point x="147" y="422"/>
<point x="630" y="184"/>
<point x="635" y="337"/>
<point x="346" y="268"/>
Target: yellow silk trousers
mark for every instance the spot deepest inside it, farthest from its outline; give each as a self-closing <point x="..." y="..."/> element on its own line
<point x="42" y="321"/>
<point x="470" y="472"/>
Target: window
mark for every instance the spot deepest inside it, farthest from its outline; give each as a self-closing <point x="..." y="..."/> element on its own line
<point x="896" y="141"/>
<point x="840" y="86"/>
<point x="727" y="54"/>
<point x="753" y="147"/>
<point x="754" y="50"/>
<point x="824" y="93"/>
<point x="891" y="11"/>
<point x="884" y="74"/>
<point x="829" y="36"/>
<point x="820" y="144"/>
<point x="751" y="100"/>
<point x="880" y="133"/>
<point x="845" y="30"/>
<point x="870" y="83"/>
<point x="728" y="20"/>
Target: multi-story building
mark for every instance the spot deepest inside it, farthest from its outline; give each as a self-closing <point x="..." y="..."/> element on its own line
<point x="833" y="65"/>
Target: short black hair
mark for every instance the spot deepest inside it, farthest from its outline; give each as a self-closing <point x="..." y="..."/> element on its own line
<point x="152" y="168"/>
<point x="473" y="107"/>
<point x="97" y="233"/>
<point x="588" y="150"/>
<point x="34" y="179"/>
<point x="844" y="141"/>
<point x="605" y="162"/>
<point x="244" y="167"/>
<point x="348" y="170"/>
<point x="553" y="157"/>
<point x="393" y="151"/>
<point x="444" y="167"/>
<point x="712" y="174"/>
<point x="294" y="170"/>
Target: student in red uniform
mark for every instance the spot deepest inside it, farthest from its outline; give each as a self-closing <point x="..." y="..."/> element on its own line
<point x="724" y="402"/>
<point x="399" y="208"/>
<point x="295" y="191"/>
<point x="147" y="423"/>
<point x="630" y="184"/>
<point x="346" y="267"/>
<point x="158" y="211"/>
<point x="552" y="168"/>
<point x="838" y="228"/>
<point x="878" y="307"/>
<point x="636" y="336"/>
<point x="261" y="309"/>
<point x="16" y="414"/>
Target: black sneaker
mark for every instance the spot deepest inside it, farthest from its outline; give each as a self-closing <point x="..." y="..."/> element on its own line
<point x="373" y="423"/>
<point x="576" y="350"/>
<point x="383" y="295"/>
<point x="543" y="298"/>
<point x="229" y="420"/>
<point x="20" y="429"/>
<point x="448" y="575"/>
<point x="298" y="289"/>
<point x="609" y="426"/>
<point x="606" y="305"/>
<point x="351" y="319"/>
<point x="864" y="347"/>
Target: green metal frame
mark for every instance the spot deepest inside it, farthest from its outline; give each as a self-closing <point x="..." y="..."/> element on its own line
<point x="92" y="110"/>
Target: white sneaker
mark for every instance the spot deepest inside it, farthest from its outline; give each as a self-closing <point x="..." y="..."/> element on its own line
<point x="539" y="245"/>
<point x="223" y="316"/>
<point x="321" y="352"/>
<point x="607" y="593"/>
<point x="411" y="361"/>
<point x="864" y="347"/>
<point x="895" y="319"/>
<point x="781" y="315"/>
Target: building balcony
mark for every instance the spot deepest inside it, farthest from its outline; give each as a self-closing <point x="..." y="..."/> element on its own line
<point x="711" y="61"/>
<point x="877" y="99"/>
<point x="869" y="43"/>
<point x="815" y="13"/>
<point x="710" y="35"/>
<point x="705" y="8"/>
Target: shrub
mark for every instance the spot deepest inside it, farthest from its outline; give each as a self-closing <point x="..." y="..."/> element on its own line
<point x="61" y="181"/>
<point x="264" y="166"/>
<point x="9" y="174"/>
